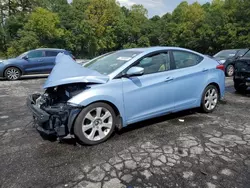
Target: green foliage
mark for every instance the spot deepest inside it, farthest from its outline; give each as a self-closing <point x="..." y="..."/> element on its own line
<point x="92" y="27"/>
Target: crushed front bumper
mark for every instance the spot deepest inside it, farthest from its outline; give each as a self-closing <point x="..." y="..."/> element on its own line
<point x="53" y="121"/>
<point x="243" y="78"/>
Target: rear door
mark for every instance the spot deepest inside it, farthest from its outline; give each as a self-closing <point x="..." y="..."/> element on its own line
<point x="189" y="79"/>
<point x="34" y="62"/>
<point x="50" y="59"/>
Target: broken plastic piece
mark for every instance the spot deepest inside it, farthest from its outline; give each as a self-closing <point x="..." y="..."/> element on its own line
<point x="181" y="120"/>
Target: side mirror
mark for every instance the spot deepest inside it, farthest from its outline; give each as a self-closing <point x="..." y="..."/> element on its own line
<point x="135" y="71"/>
<point x="25" y="57"/>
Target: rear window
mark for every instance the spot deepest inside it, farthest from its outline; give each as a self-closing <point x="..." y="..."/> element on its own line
<point x="51" y="53"/>
<point x="226" y="53"/>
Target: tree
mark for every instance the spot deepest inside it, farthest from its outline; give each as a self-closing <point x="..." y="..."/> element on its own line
<point x="40" y="31"/>
<point x="92" y="27"/>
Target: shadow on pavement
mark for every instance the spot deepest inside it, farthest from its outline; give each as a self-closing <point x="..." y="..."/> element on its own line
<point x="153" y="121"/>
<point x="231" y="89"/>
<point x="136" y="126"/>
<point x="33" y="77"/>
<point x="28" y="77"/>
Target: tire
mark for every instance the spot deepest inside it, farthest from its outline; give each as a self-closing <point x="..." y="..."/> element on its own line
<point x="99" y="120"/>
<point x="230" y="70"/>
<point x="240" y="87"/>
<point x="210" y="98"/>
<point x="12" y="73"/>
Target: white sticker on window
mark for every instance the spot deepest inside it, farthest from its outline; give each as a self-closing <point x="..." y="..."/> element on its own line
<point x="124" y="58"/>
<point x="231" y="55"/>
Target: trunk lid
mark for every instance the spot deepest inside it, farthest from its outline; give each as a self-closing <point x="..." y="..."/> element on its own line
<point x="67" y="71"/>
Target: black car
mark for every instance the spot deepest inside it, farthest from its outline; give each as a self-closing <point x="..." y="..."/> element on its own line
<point x="242" y="73"/>
<point x="228" y="57"/>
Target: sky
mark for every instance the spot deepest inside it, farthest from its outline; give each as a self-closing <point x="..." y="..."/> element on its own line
<point x="158" y="7"/>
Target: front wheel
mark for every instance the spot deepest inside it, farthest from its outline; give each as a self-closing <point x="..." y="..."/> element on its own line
<point x="210" y="99"/>
<point x="12" y="73"/>
<point x="95" y="124"/>
<point x="230" y="70"/>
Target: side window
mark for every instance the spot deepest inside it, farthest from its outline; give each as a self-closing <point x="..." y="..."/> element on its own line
<point x="186" y="59"/>
<point x="51" y="53"/>
<point x="155" y="63"/>
<point x="35" y="54"/>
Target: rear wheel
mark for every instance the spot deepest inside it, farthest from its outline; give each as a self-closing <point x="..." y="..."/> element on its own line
<point x="230" y="70"/>
<point x="95" y="124"/>
<point x="240" y="87"/>
<point x="210" y="99"/>
<point x="12" y="73"/>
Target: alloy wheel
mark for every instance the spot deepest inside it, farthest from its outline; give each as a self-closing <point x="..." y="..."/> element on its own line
<point x="211" y="99"/>
<point x="230" y="70"/>
<point x="97" y="124"/>
<point x="12" y="74"/>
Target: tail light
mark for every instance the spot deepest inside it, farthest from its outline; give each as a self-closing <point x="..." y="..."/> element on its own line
<point x="221" y="67"/>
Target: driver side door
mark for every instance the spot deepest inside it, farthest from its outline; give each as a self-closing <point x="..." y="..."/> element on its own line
<point x="151" y="94"/>
<point x="35" y="62"/>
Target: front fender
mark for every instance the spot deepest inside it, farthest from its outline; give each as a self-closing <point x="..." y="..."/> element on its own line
<point x="101" y="93"/>
<point x="14" y="65"/>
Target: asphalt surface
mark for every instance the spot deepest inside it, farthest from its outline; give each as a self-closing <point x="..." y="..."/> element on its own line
<point x="187" y="149"/>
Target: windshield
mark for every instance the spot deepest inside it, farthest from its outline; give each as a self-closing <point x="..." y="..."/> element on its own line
<point x="108" y="63"/>
<point x="22" y="55"/>
<point x="226" y="53"/>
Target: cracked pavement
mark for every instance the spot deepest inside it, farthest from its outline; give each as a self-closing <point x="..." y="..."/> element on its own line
<point x="187" y="149"/>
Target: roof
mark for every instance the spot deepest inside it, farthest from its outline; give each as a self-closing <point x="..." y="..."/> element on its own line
<point x="56" y="49"/>
<point x="236" y="49"/>
<point x="157" y="48"/>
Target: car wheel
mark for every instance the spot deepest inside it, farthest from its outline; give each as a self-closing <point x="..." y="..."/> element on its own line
<point x="230" y="70"/>
<point x="95" y="124"/>
<point x="12" y="73"/>
<point x="240" y="87"/>
<point x="210" y="99"/>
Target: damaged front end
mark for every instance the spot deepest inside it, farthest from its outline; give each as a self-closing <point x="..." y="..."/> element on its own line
<point x="53" y="115"/>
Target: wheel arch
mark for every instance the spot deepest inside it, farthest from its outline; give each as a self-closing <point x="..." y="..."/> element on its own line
<point x="217" y="86"/>
<point x="211" y="83"/>
<point x="14" y="66"/>
<point x="119" y="119"/>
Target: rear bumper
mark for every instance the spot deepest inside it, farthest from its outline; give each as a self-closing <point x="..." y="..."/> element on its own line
<point x="52" y="121"/>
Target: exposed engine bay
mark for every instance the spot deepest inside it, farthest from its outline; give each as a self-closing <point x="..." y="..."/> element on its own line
<point x="58" y="96"/>
<point x="51" y="111"/>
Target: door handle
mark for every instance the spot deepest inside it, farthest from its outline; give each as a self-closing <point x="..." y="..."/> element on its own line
<point x="168" y="79"/>
<point x="204" y="70"/>
<point x="40" y="60"/>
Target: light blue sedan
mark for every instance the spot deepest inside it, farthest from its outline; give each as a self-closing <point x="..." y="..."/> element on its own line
<point x="122" y="88"/>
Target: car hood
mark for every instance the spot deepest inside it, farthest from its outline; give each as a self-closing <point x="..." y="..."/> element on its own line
<point x="12" y="60"/>
<point x="67" y="71"/>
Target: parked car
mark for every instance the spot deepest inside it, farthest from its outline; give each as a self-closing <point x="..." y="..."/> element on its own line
<point x="122" y="88"/>
<point x="242" y="73"/>
<point x="227" y="57"/>
<point x="82" y="61"/>
<point x="37" y="61"/>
